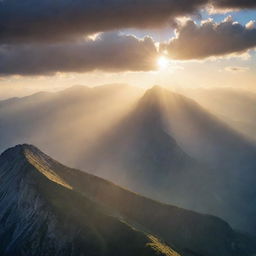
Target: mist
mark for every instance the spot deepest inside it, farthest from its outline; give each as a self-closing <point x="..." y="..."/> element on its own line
<point x="64" y="123"/>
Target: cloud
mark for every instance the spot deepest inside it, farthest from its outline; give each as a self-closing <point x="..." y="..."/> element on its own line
<point x="49" y="20"/>
<point x="49" y="36"/>
<point x="251" y="24"/>
<point x="109" y="52"/>
<point x="236" y="69"/>
<point x="240" y="4"/>
<point x="210" y="39"/>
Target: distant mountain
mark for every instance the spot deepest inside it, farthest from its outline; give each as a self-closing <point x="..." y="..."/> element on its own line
<point x="171" y="149"/>
<point x="65" y="121"/>
<point x="234" y="106"/>
<point x="138" y="153"/>
<point x="161" y="144"/>
<point x="49" y="209"/>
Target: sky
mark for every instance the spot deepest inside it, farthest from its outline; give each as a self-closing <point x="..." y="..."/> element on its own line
<point x="176" y="44"/>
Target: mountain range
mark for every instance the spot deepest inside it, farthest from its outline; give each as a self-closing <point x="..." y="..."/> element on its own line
<point x="171" y="149"/>
<point x="160" y="144"/>
<point x="63" y="122"/>
<point x="47" y="208"/>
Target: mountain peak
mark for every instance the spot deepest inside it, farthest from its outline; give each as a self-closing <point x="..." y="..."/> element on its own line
<point x="13" y="152"/>
<point x="158" y="100"/>
<point x="163" y="95"/>
<point x="22" y="153"/>
<point x="156" y="90"/>
<point x="19" y="149"/>
<point x="154" y="96"/>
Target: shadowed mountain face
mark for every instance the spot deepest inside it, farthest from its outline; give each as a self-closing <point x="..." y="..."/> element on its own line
<point x="139" y="153"/>
<point x="49" y="209"/>
<point x="41" y="214"/>
<point x="171" y="149"/>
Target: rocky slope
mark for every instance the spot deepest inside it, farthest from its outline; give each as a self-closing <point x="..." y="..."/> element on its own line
<point x="40" y="214"/>
<point x="49" y="209"/>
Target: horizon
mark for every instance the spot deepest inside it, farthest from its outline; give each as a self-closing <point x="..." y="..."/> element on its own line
<point x="175" y="89"/>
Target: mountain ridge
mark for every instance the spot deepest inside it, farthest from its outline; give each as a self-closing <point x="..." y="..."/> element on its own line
<point x="48" y="218"/>
<point x="69" y="188"/>
<point x="163" y="145"/>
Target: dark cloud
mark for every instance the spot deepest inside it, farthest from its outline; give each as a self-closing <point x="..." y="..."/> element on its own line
<point x="51" y="20"/>
<point x="111" y="52"/>
<point x="45" y="37"/>
<point x="210" y="39"/>
<point x="241" y="4"/>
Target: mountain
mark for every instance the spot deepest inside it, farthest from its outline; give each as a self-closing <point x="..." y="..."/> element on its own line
<point x="138" y="153"/>
<point x="171" y="149"/>
<point x="42" y="215"/>
<point x="201" y="134"/>
<point x="63" y="122"/>
<point x="49" y="209"/>
<point x="162" y="144"/>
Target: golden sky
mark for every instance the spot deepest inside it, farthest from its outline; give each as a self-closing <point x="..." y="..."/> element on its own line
<point x="203" y="43"/>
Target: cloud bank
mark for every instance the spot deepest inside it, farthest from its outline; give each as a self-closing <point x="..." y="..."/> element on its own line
<point x="48" y="20"/>
<point x="45" y="37"/>
<point x="211" y="39"/>
<point x="110" y="52"/>
<point x="240" y="4"/>
<point x="113" y="52"/>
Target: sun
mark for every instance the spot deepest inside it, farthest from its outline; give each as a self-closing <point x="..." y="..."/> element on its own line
<point x="163" y="62"/>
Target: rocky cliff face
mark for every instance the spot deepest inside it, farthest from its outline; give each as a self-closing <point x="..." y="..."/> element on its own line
<point x="49" y="209"/>
<point x="40" y="214"/>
